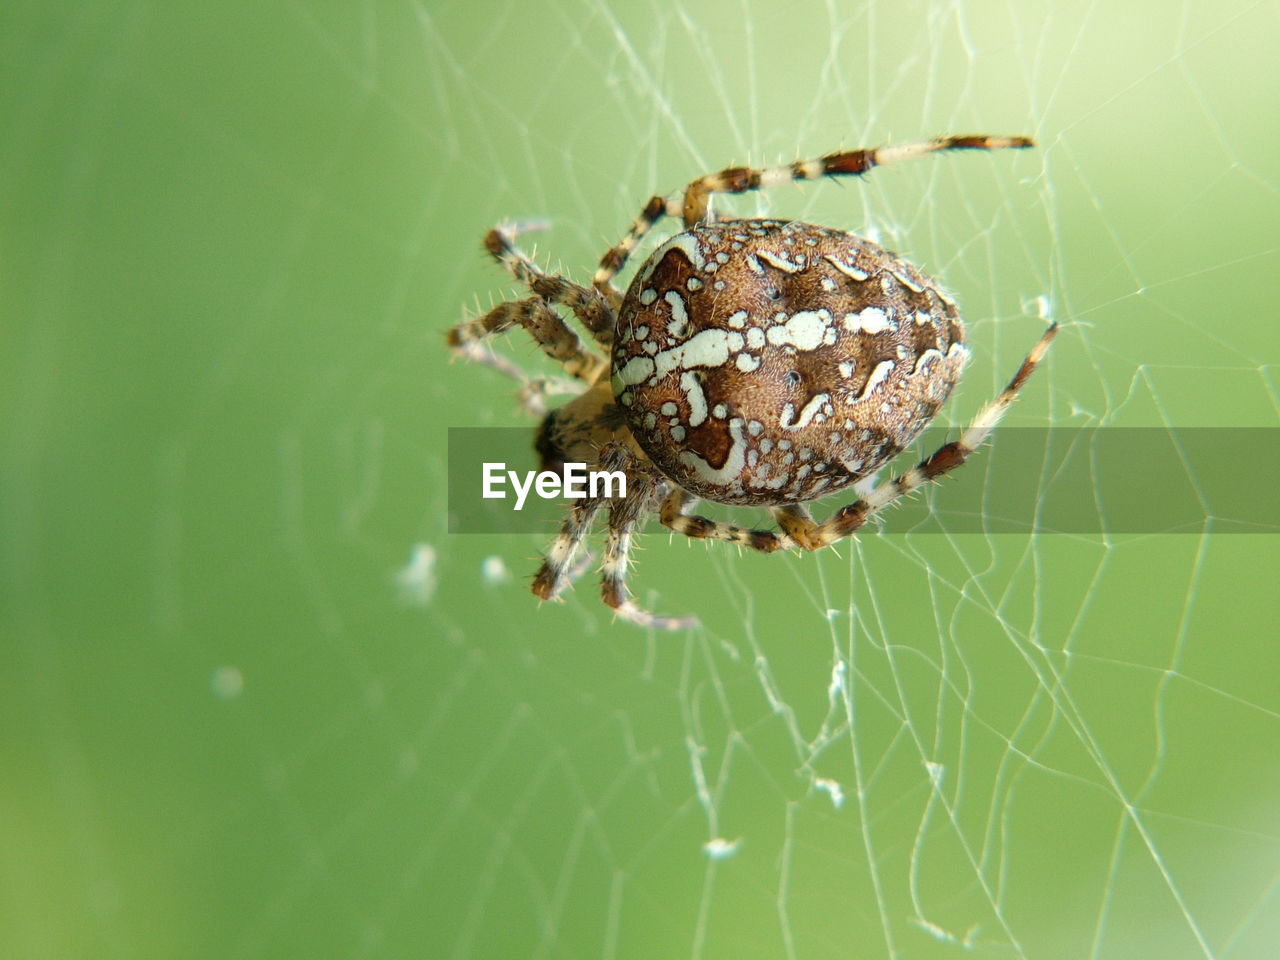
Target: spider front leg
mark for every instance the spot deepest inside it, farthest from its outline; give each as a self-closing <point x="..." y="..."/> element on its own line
<point x="589" y="306"/>
<point x="800" y="527"/>
<point x="550" y="332"/>
<point x="845" y="163"/>
<point x="675" y="516"/>
<point x="692" y="204"/>
<point x="615" y="259"/>
<point x="533" y="392"/>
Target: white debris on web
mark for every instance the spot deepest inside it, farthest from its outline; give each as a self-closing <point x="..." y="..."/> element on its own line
<point x="776" y="701"/>
<point x="946" y="936"/>
<point x="720" y="848"/>
<point x="416" y="580"/>
<point x="835" y="688"/>
<point x="1041" y="306"/>
<point x="494" y="571"/>
<point x="832" y="789"/>
<point x="935" y="771"/>
<point x="227" y="683"/>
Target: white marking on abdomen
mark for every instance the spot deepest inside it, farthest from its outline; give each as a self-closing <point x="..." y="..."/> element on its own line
<point x="810" y="410"/>
<point x="924" y="357"/>
<point x="774" y="260"/>
<point x="878" y="376"/>
<point x="636" y="369"/>
<point x="870" y="320"/>
<point x="852" y="272"/>
<point x="707" y="348"/>
<point x="908" y="282"/>
<point x="679" y="318"/>
<point x="804" y="331"/>
<point x="685" y="242"/>
<point x="697" y="399"/>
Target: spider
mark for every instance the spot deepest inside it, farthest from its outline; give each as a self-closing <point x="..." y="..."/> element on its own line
<point x="760" y="362"/>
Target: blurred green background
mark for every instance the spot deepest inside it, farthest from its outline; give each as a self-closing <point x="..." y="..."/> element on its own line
<point x="257" y="703"/>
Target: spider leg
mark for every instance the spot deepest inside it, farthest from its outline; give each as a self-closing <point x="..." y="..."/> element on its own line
<point x="546" y="327"/>
<point x="589" y="306"/>
<point x="476" y="351"/>
<point x="692" y="206"/>
<point x="674" y="515"/>
<point x="625" y="515"/>
<point x="796" y="522"/>
<point x="533" y="391"/>
<point x="615" y="259"/>
<point x="558" y="568"/>
<point x="800" y="527"/>
<point x="845" y="163"/>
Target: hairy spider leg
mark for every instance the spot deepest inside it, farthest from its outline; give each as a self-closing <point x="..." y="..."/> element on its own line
<point x="625" y="515"/>
<point x="691" y="206"/>
<point x="615" y="259"/>
<point x="845" y="163"/>
<point x="588" y="305"/>
<point x="674" y="514"/>
<point x="558" y="568"/>
<point x="543" y="324"/>
<point x="533" y="392"/>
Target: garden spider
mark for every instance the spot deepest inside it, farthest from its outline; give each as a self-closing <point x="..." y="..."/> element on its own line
<point x="759" y="362"/>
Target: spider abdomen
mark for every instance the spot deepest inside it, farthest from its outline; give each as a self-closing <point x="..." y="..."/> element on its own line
<point x="765" y="362"/>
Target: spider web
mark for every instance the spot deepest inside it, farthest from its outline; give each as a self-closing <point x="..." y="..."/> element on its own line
<point x="261" y="704"/>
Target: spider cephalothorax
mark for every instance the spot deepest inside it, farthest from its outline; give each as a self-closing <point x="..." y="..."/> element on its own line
<point x="762" y="362"/>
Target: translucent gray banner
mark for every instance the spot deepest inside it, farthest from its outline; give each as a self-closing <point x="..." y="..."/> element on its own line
<point x="1057" y="480"/>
